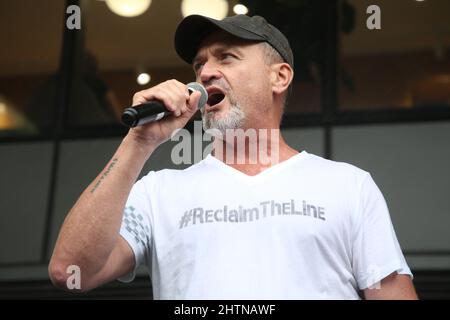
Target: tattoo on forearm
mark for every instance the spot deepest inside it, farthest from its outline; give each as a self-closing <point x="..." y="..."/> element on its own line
<point x="103" y="176"/>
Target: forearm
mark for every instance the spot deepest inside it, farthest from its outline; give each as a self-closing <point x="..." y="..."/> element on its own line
<point x="91" y="229"/>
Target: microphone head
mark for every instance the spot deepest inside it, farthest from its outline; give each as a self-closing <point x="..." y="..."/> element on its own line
<point x="204" y="94"/>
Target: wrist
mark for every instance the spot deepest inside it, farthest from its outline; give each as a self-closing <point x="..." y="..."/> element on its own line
<point x="140" y="145"/>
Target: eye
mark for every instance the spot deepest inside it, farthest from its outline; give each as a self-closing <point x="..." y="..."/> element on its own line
<point x="197" y="66"/>
<point x="227" y="55"/>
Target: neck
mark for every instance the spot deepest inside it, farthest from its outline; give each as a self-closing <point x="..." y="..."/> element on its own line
<point x="252" y="150"/>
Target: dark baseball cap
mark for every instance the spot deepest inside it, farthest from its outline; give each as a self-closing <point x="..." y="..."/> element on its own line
<point x="194" y="28"/>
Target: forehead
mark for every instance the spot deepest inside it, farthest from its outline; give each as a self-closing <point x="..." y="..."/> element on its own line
<point x="221" y="39"/>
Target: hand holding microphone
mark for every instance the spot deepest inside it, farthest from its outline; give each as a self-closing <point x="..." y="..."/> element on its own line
<point x="162" y="109"/>
<point x="155" y="110"/>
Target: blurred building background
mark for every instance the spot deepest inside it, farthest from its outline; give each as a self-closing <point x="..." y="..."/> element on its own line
<point x="379" y="99"/>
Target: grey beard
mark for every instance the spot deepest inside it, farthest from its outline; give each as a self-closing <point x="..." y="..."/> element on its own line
<point x="234" y="119"/>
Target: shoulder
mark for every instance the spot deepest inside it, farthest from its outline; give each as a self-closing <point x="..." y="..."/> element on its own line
<point x="335" y="167"/>
<point x="335" y="175"/>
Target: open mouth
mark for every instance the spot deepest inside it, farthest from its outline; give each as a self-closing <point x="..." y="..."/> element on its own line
<point x="215" y="98"/>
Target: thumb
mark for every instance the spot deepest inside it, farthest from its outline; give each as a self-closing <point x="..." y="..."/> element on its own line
<point x="193" y="101"/>
<point x="192" y="106"/>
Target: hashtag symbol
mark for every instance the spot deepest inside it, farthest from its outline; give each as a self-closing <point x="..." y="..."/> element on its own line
<point x="184" y="221"/>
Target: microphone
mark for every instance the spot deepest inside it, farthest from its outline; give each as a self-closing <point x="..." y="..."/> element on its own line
<point x="156" y="110"/>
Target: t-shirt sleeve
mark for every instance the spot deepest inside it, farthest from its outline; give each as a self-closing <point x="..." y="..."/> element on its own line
<point x="136" y="225"/>
<point x="376" y="250"/>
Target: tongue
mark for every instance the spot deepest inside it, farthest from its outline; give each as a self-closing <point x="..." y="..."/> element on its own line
<point x="215" y="98"/>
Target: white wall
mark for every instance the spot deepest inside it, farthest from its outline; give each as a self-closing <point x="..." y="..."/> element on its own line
<point x="24" y="185"/>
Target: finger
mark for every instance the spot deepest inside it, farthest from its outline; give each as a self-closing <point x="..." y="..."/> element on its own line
<point x="171" y="93"/>
<point x="193" y="101"/>
<point x="169" y="97"/>
<point x="146" y="94"/>
<point x="178" y="93"/>
<point x="138" y="98"/>
<point x="180" y="88"/>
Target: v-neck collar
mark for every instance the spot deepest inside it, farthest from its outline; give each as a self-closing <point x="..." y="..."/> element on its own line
<point x="260" y="176"/>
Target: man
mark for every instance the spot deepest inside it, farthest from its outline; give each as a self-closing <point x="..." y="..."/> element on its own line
<point x="295" y="227"/>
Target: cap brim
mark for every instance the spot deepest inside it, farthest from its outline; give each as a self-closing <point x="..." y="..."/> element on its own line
<point x="194" y="28"/>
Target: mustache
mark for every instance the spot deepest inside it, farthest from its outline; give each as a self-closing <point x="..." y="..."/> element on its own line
<point x="220" y="83"/>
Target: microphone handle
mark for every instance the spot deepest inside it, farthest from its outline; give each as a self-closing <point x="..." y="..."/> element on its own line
<point x="151" y="111"/>
<point x="147" y="112"/>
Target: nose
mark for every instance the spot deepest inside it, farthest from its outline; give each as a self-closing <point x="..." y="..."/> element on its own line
<point x="208" y="72"/>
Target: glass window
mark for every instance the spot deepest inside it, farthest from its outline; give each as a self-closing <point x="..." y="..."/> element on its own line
<point x="116" y="50"/>
<point x="403" y="65"/>
<point x="31" y="39"/>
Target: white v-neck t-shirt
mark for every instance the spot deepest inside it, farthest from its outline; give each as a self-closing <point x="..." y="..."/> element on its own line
<point x="306" y="228"/>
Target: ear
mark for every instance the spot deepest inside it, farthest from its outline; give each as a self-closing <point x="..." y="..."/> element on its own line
<point x="281" y="77"/>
